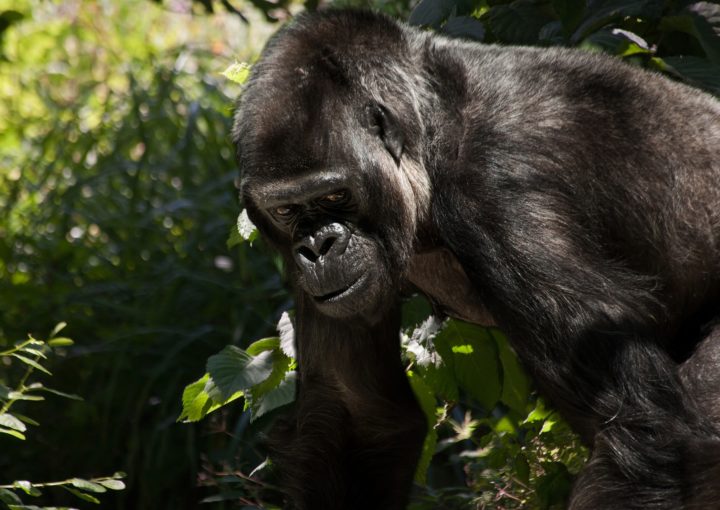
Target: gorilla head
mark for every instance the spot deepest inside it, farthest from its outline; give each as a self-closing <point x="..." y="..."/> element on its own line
<point x="331" y="173"/>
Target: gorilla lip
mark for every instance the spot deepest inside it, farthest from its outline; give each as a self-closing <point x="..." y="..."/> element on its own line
<point x="334" y="295"/>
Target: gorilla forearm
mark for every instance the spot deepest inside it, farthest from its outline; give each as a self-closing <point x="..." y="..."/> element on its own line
<point x="356" y="431"/>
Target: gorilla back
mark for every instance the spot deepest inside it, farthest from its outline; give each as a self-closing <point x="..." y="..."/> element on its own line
<point x="569" y="198"/>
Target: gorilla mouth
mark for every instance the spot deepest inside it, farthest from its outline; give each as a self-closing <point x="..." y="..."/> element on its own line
<point x="340" y="293"/>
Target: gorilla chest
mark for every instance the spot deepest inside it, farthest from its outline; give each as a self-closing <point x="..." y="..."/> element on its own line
<point x="438" y="275"/>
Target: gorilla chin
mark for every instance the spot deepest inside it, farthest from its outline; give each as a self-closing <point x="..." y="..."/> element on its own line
<point x="351" y="299"/>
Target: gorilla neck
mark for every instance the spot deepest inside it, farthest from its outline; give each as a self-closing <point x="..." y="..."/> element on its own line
<point x="439" y="276"/>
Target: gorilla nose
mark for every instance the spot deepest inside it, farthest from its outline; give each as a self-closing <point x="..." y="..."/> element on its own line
<point x="328" y="241"/>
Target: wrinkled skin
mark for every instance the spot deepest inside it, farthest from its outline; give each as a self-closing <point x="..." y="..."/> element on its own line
<point x="563" y="196"/>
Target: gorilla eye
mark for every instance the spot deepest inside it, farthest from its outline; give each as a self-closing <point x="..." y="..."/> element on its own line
<point x="283" y="211"/>
<point x="335" y="197"/>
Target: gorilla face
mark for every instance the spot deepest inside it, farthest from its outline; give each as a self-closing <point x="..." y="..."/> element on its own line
<point x="316" y="221"/>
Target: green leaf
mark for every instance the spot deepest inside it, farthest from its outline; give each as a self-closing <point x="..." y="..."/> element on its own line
<point x="243" y="230"/>
<point x="31" y="362"/>
<point x="282" y="394"/>
<point x="82" y="495"/>
<point x="27" y="487"/>
<point x="472" y="354"/>
<point x="34" y="350"/>
<point x="9" y="497"/>
<point x="286" y="330"/>
<point x="57" y="329"/>
<point x="237" y="72"/>
<point x="428" y="403"/>
<point x="201" y="398"/>
<point x="25" y="419"/>
<point x="11" y="422"/>
<point x="702" y="21"/>
<point x="262" y="345"/>
<point x="233" y="369"/>
<point x="431" y="12"/>
<point x="16" y="395"/>
<point x="116" y="485"/>
<point x="415" y="311"/>
<point x="194" y="399"/>
<point x="87" y="485"/>
<point x="464" y="27"/>
<point x="611" y="10"/>
<point x="516" y="384"/>
<point x="263" y="397"/>
<point x="518" y="22"/>
<point x="60" y="342"/>
<point x="570" y="13"/>
<point x="554" y="486"/>
<point x="539" y="413"/>
<point x="11" y="432"/>
<point x="696" y="70"/>
<point x="71" y="396"/>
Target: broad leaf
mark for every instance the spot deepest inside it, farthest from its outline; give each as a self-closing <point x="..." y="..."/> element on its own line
<point x="515" y="382"/>
<point x="473" y="355"/>
<point x="286" y="330"/>
<point x="233" y="369"/>
<point x="697" y="71"/>
<point x="283" y="394"/>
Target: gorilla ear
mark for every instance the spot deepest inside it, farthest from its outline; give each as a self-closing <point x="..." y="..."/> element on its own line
<point x="384" y="124"/>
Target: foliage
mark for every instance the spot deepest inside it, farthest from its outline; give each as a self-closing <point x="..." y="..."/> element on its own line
<point x="680" y="37"/>
<point x="117" y="194"/>
<point x="28" y="356"/>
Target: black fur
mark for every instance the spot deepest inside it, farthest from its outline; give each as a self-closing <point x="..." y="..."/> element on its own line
<point x="579" y="199"/>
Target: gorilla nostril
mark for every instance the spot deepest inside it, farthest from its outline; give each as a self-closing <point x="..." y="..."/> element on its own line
<point x="326" y="245"/>
<point x="307" y="253"/>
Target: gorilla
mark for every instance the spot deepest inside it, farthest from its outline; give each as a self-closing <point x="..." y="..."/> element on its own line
<point x="566" y="197"/>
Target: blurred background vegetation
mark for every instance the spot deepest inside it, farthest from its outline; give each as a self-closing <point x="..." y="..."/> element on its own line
<point x="117" y="195"/>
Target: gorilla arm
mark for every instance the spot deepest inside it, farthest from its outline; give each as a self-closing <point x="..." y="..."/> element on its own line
<point x="355" y="436"/>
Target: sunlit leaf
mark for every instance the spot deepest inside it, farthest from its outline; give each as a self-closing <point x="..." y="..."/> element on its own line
<point x="233" y="369"/>
<point x="87" y="485"/>
<point x="282" y="394"/>
<point x="116" y="485"/>
<point x="286" y="329"/>
<point x="27" y="487"/>
<point x="11" y="422"/>
<point x="57" y="329"/>
<point x="237" y="72"/>
<point x="11" y="432"/>
<point x="60" y="342"/>
<point x="262" y="345"/>
<point x="31" y="362"/>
